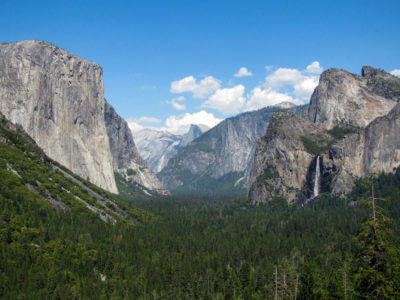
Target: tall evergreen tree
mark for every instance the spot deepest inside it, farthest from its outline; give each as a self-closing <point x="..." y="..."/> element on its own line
<point x="376" y="259"/>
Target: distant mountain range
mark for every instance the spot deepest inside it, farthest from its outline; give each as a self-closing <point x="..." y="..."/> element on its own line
<point x="218" y="162"/>
<point x="157" y="147"/>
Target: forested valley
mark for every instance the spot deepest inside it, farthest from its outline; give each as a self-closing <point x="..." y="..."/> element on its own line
<point x="204" y="248"/>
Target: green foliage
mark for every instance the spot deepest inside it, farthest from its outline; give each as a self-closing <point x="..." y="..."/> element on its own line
<point x="315" y="145"/>
<point x="130" y="172"/>
<point x="195" y="249"/>
<point x="377" y="261"/>
<point x="207" y="185"/>
<point x="269" y="173"/>
<point x="338" y="132"/>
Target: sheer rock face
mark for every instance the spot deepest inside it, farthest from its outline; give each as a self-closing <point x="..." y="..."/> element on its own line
<point x="225" y="150"/>
<point x="375" y="148"/>
<point x="58" y="99"/>
<point x="283" y="165"/>
<point x="125" y="156"/>
<point x="281" y="162"/>
<point x="345" y="98"/>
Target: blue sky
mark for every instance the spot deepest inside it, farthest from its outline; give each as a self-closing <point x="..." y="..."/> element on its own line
<point x="169" y="63"/>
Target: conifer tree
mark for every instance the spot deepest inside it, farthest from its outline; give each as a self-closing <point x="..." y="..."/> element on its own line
<point x="376" y="256"/>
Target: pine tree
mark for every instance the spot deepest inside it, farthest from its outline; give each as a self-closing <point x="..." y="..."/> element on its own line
<point x="376" y="256"/>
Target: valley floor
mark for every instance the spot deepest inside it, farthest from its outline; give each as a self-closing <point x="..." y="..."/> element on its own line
<point x="197" y="248"/>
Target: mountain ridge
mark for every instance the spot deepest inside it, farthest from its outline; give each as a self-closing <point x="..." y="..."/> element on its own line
<point x="157" y="147"/>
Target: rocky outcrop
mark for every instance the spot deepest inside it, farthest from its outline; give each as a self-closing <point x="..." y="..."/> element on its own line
<point x="283" y="158"/>
<point x="125" y="156"/>
<point x="298" y="157"/>
<point x="375" y="148"/>
<point x="218" y="159"/>
<point x="158" y="147"/>
<point x="345" y="98"/>
<point x="194" y="132"/>
<point x="58" y="99"/>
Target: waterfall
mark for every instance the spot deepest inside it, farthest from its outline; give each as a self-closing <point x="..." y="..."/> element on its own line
<point x="316" y="181"/>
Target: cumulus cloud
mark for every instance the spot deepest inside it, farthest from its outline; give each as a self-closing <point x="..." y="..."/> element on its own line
<point x="259" y="98"/>
<point x="178" y="106"/>
<point x="305" y="87"/>
<point x="314" y="68"/>
<point x="136" y="124"/>
<point x="298" y="82"/>
<point x="175" y="103"/>
<point x="200" y="90"/>
<point x="133" y="126"/>
<point x="147" y="120"/>
<point x="180" y="124"/>
<point x="395" y="72"/>
<point x="243" y="72"/>
<point x="282" y="77"/>
<point x="228" y="100"/>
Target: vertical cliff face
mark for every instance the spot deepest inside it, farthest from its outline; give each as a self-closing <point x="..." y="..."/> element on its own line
<point x="220" y="158"/>
<point x="284" y="159"/>
<point x="125" y="157"/>
<point x="353" y="128"/>
<point x="345" y="98"/>
<point x="375" y="148"/>
<point x="58" y="99"/>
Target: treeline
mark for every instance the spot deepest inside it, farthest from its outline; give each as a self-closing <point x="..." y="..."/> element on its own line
<point x="215" y="249"/>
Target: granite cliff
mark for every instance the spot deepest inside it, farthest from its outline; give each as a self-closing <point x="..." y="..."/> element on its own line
<point x="345" y="98"/>
<point x="351" y="128"/>
<point x="126" y="158"/>
<point x="375" y="148"/>
<point x="58" y="99"/>
<point x="282" y="160"/>
<point x="218" y="162"/>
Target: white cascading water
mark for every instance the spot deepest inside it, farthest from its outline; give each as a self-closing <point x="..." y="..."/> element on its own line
<point x="316" y="181"/>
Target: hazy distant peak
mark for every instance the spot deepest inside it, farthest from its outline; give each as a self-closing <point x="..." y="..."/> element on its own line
<point x="286" y="104"/>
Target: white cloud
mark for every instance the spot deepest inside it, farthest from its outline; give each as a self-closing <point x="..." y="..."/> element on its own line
<point x="178" y="106"/>
<point x="268" y="68"/>
<point x="175" y="103"/>
<point x="243" y="72"/>
<point x="180" y="124"/>
<point x="200" y="90"/>
<point x="228" y="100"/>
<point x="314" y="68"/>
<point x="133" y="126"/>
<point x="259" y="98"/>
<point x="395" y="72"/>
<point x="282" y="77"/>
<point x="299" y="83"/>
<point x="305" y="88"/>
<point x="147" y="120"/>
